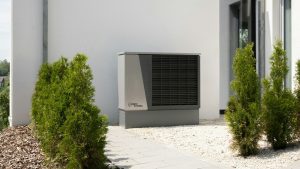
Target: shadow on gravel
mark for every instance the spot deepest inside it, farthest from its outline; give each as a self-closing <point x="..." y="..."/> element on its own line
<point x="269" y="153"/>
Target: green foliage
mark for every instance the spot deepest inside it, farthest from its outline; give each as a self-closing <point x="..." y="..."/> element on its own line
<point x="4" y="68"/>
<point x="66" y="120"/>
<point x="4" y="107"/>
<point x="243" y="113"/>
<point x="84" y="130"/>
<point x="49" y="104"/>
<point x="297" y="94"/>
<point x="279" y="104"/>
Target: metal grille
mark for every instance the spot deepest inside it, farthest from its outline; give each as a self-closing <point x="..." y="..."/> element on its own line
<point x="174" y="80"/>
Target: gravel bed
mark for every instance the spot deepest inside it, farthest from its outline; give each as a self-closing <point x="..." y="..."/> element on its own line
<point x="211" y="141"/>
<point x="19" y="149"/>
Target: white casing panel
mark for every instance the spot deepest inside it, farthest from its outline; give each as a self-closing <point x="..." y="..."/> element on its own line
<point x="132" y="95"/>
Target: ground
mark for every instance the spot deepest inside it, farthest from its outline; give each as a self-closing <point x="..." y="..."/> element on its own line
<point x="19" y="149"/>
<point x="207" y="144"/>
<point x="211" y="141"/>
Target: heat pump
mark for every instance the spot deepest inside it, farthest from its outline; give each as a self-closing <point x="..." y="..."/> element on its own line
<point x="158" y="89"/>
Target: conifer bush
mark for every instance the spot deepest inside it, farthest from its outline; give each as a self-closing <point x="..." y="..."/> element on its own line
<point x="243" y="112"/>
<point x="84" y="130"/>
<point x="49" y="104"/>
<point x="279" y="104"/>
<point x="67" y="122"/>
<point x="4" y="107"/>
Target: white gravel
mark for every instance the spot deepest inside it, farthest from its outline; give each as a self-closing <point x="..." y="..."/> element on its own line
<point x="211" y="141"/>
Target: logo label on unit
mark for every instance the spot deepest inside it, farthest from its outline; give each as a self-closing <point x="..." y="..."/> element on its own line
<point x="135" y="105"/>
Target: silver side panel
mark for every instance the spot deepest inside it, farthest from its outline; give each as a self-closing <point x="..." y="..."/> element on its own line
<point x="132" y="95"/>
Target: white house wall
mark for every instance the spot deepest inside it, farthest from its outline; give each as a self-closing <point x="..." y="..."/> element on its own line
<point x="27" y="56"/>
<point x="273" y="32"/>
<point x="101" y="29"/>
<point x="273" y="29"/>
<point x="295" y="36"/>
<point x="225" y="52"/>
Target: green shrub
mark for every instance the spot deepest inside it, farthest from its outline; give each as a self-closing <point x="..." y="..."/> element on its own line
<point x="49" y="104"/>
<point x="4" y="68"/>
<point x="243" y="113"/>
<point x="4" y="107"/>
<point x="279" y="104"/>
<point x="84" y="130"/>
<point x="297" y="94"/>
<point x="67" y="122"/>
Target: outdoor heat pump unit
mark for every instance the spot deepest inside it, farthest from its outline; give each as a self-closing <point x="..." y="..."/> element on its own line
<point x="158" y="89"/>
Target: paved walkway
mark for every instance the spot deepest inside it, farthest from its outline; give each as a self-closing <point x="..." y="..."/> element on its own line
<point x="128" y="151"/>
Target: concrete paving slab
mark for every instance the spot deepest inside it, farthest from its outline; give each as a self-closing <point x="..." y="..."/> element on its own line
<point x="129" y="151"/>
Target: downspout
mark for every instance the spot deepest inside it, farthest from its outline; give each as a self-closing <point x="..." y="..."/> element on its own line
<point x="45" y="31"/>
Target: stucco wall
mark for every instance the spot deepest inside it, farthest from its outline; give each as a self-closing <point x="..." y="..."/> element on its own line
<point x="26" y="56"/>
<point x="225" y="65"/>
<point x="274" y="32"/>
<point x="273" y="29"/>
<point x="102" y="28"/>
<point x="295" y="36"/>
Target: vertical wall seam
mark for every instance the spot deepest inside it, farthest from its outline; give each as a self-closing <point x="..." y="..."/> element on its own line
<point x="45" y="31"/>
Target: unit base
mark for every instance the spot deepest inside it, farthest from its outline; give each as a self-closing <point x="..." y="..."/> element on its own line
<point x="158" y="118"/>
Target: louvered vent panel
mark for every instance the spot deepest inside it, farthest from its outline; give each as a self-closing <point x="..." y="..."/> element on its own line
<point x="174" y="80"/>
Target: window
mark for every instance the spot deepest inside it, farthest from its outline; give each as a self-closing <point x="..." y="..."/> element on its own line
<point x="247" y="22"/>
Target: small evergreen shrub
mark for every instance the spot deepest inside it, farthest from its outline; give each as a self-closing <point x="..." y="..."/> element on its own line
<point x="66" y="120"/>
<point x="4" y="68"/>
<point x="49" y="104"/>
<point x="279" y="104"/>
<point x="243" y="112"/>
<point x="84" y="130"/>
<point x="297" y="94"/>
<point x="4" y="107"/>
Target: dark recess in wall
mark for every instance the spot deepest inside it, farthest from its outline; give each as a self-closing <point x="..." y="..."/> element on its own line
<point x="222" y="111"/>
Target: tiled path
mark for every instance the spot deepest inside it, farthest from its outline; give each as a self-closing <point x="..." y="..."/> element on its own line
<point x="128" y="151"/>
